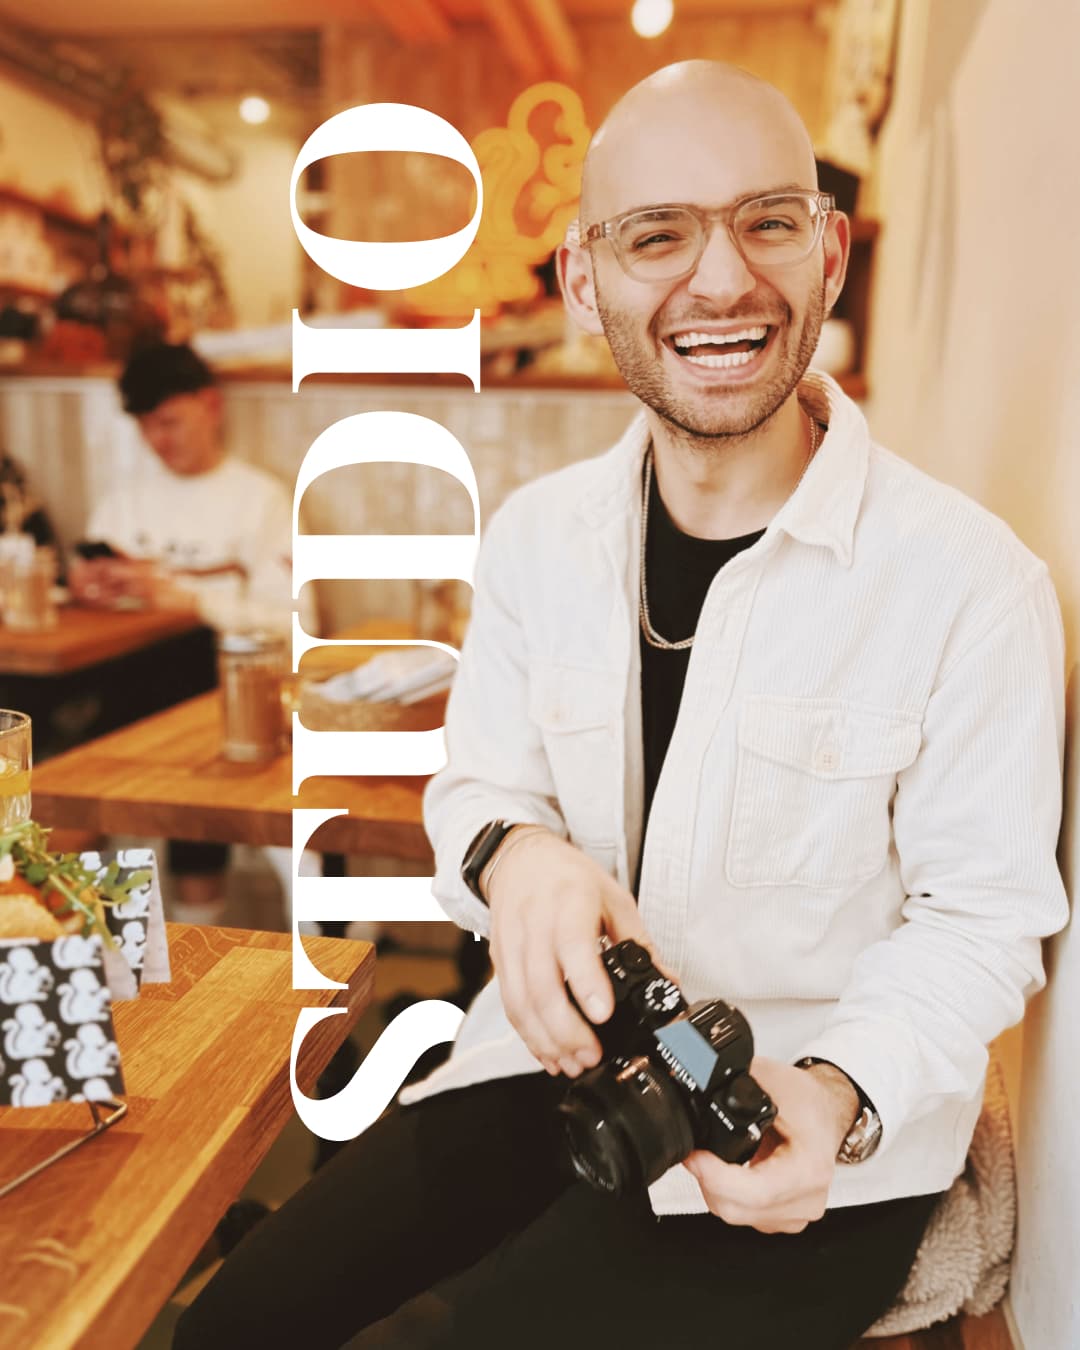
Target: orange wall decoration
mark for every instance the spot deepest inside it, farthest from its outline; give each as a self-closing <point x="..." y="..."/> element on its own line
<point x="532" y="182"/>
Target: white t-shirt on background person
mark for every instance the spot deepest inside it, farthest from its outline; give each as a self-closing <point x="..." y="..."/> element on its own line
<point x="227" y="534"/>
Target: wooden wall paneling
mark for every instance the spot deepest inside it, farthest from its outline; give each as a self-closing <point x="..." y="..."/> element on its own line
<point x="431" y="20"/>
<point x="787" y="49"/>
<point x="510" y="435"/>
<point x="513" y="38"/>
<point x="473" y="82"/>
<point x="558" y="37"/>
<point x="399" y="19"/>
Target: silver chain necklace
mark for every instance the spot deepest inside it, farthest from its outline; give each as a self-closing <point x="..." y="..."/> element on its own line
<point x="652" y="637"/>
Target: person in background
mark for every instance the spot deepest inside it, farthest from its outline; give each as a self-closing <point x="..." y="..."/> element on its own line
<point x="195" y="529"/>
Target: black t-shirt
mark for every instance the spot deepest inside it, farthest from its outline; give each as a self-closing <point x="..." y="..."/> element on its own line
<point x="679" y="570"/>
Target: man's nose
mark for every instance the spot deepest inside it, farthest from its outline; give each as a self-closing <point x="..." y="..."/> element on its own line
<point x="722" y="274"/>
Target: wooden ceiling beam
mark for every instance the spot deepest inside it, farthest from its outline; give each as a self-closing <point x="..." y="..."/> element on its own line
<point x="514" y="38"/>
<point x="431" y="19"/>
<point x="395" y="17"/>
<point x="557" y="36"/>
<point x="414" y="21"/>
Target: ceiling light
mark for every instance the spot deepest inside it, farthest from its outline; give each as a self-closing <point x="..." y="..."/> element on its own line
<point x="254" y="110"/>
<point x="651" y="17"/>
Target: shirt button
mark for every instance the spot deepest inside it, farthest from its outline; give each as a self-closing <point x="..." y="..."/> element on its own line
<point x="826" y="758"/>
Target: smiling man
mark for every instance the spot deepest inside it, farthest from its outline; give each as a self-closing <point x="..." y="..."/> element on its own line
<point x="750" y="690"/>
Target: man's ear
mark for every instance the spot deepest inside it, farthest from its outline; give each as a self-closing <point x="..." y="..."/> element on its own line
<point x="837" y="251"/>
<point x="573" y="267"/>
<point x="213" y="400"/>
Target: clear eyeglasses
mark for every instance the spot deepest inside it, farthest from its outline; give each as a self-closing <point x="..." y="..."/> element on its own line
<point x="665" y="243"/>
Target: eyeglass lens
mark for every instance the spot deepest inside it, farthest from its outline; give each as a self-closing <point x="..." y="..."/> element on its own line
<point x="667" y="241"/>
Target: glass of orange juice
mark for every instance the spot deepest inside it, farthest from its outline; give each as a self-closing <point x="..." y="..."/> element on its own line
<point x="15" y="762"/>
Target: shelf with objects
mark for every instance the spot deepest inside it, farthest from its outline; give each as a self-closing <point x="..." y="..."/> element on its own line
<point x="76" y="291"/>
<point x="63" y="291"/>
<point x="44" y="247"/>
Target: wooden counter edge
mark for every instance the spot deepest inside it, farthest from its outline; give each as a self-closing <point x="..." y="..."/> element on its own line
<point x="121" y="1313"/>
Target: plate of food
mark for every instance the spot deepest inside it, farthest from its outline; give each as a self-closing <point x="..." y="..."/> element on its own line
<point x="46" y="895"/>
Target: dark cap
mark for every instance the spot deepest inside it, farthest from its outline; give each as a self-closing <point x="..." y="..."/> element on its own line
<point x="159" y="372"/>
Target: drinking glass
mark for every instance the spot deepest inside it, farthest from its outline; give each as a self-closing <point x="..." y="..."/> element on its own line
<point x="252" y="667"/>
<point x="15" y="762"/>
<point x="28" y="599"/>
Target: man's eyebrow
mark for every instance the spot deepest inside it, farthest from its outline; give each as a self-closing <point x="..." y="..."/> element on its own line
<point x="773" y="191"/>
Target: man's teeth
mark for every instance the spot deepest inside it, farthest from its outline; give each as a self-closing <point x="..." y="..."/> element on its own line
<point x="718" y="361"/>
<point x="684" y="342"/>
<point x="701" y="339"/>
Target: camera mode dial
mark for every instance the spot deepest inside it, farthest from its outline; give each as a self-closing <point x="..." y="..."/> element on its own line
<point x="662" y="995"/>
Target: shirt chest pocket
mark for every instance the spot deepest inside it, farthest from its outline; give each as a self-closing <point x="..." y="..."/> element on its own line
<point x="813" y="790"/>
<point x="573" y="709"/>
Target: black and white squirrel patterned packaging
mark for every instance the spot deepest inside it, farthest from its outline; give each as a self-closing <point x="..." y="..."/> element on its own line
<point x="141" y="955"/>
<point x="57" y="1040"/>
<point x="56" y="1018"/>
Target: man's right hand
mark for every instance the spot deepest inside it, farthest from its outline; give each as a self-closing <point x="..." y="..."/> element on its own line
<point x="104" y="583"/>
<point x="549" y="905"/>
<point x="95" y="582"/>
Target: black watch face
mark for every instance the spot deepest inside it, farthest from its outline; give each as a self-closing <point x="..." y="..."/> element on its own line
<point x="474" y="848"/>
<point x="483" y="846"/>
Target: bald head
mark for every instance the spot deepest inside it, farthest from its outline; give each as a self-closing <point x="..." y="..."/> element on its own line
<point x="653" y="142"/>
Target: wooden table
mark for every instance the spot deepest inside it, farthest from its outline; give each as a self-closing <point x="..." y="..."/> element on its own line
<point x="85" y="637"/>
<point x="165" y="776"/>
<point x="92" y="1247"/>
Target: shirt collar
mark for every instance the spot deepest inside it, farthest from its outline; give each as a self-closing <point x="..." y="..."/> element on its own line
<point x="823" y="508"/>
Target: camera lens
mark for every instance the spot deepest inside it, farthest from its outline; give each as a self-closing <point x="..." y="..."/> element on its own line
<point x="625" y="1126"/>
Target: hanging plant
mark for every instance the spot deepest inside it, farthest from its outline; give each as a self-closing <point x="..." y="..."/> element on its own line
<point x="133" y="150"/>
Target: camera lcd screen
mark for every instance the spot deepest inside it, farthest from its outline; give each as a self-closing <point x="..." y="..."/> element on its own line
<point x="690" y="1050"/>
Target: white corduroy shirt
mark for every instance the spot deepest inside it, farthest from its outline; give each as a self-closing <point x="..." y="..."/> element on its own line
<point x="853" y="836"/>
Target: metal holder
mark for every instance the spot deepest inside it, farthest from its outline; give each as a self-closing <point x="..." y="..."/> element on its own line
<point x="101" y="1123"/>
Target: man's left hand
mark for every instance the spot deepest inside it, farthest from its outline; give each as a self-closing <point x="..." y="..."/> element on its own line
<point x="107" y="582"/>
<point x="786" y="1185"/>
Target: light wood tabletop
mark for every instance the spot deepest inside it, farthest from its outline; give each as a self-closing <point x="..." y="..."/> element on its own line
<point x="166" y="776"/>
<point x="93" y="1246"/>
<point x="85" y="637"/>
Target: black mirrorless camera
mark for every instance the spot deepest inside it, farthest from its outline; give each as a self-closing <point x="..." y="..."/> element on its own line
<point x="673" y="1079"/>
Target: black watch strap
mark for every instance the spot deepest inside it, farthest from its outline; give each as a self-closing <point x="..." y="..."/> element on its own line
<point x="865" y="1134"/>
<point x="481" y="851"/>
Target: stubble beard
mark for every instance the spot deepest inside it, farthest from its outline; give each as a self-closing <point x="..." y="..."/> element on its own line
<point x="709" y="418"/>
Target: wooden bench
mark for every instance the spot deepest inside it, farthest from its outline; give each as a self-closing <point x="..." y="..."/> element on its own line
<point x="959" y="1333"/>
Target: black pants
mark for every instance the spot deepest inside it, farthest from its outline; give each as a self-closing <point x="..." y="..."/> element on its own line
<point x="455" y="1223"/>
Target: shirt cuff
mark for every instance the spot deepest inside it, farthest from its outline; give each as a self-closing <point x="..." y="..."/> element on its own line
<point x="865" y="1057"/>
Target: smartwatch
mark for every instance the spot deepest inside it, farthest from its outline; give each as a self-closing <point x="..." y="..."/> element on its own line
<point x="865" y="1134"/>
<point x="482" y="850"/>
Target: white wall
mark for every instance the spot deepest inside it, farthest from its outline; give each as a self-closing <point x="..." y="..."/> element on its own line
<point x="248" y="218"/>
<point x="45" y="149"/>
<point x="975" y="375"/>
